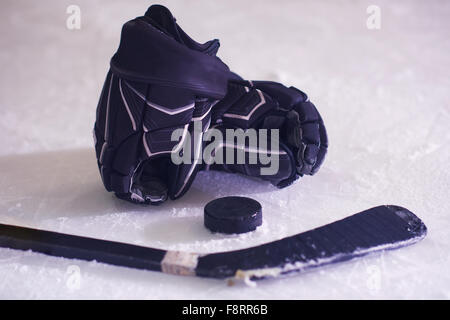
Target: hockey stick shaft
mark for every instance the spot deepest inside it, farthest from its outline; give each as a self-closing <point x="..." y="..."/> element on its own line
<point x="379" y="228"/>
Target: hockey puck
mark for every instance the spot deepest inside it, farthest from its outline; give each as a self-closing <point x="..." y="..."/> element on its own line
<point x="233" y="215"/>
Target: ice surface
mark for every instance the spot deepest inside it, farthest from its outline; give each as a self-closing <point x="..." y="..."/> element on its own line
<point x="383" y="95"/>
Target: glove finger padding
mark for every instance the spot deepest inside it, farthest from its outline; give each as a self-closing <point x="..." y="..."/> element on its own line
<point x="302" y="137"/>
<point x="305" y="133"/>
<point x="258" y="155"/>
<point x="314" y="140"/>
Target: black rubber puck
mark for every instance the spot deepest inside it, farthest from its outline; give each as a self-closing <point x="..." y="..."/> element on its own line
<point x="233" y="215"/>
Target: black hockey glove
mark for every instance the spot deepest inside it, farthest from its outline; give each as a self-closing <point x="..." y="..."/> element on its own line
<point x="160" y="84"/>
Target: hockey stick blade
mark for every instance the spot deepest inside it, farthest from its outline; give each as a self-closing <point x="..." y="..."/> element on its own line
<point x="375" y="229"/>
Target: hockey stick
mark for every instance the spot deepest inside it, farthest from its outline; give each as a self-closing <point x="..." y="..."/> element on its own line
<point x="375" y="229"/>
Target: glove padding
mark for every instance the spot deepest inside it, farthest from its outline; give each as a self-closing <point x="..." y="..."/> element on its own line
<point x="161" y="81"/>
<point x="268" y="105"/>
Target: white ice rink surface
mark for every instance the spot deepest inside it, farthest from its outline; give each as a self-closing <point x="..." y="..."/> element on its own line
<point x="383" y="94"/>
